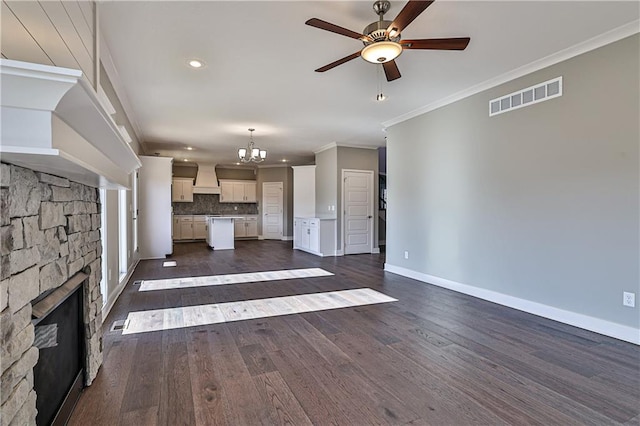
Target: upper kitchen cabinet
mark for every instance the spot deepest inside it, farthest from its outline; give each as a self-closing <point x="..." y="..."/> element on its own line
<point x="182" y="190"/>
<point x="238" y="191"/>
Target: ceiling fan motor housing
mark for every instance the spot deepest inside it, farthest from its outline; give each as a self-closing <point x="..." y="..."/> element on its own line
<point x="377" y="31"/>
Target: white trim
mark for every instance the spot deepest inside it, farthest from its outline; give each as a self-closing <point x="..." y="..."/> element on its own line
<point x="342" y="145"/>
<point x="287" y="238"/>
<point x="563" y="55"/>
<point x="607" y="328"/>
<point x="122" y="284"/>
<point x="340" y="252"/>
<point x="376" y="250"/>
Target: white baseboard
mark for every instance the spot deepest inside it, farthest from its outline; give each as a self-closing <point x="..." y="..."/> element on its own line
<point x="260" y="237"/>
<point x="287" y="238"/>
<point x="339" y="252"/>
<point x="607" y="328"/>
<point x="121" y="285"/>
<point x="376" y="250"/>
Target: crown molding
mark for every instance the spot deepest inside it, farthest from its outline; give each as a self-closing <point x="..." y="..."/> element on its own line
<point x="274" y="166"/>
<point x="596" y="42"/>
<point x="343" y="145"/>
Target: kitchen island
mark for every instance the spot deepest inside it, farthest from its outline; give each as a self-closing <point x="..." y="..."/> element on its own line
<point x="220" y="233"/>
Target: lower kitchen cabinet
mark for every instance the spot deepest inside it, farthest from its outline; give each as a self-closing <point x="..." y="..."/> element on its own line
<point x="314" y="235"/>
<point x="246" y="227"/>
<point x="199" y="227"/>
<point x="186" y="228"/>
<point x="189" y="227"/>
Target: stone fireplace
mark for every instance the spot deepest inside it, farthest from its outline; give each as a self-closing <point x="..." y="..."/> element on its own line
<point x="49" y="232"/>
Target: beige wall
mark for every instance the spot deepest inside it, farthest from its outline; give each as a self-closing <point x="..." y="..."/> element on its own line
<point x="184" y="171"/>
<point x="539" y="203"/>
<point x="326" y="180"/>
<point x="357" y="159"/>
<point x="237" y="174"/>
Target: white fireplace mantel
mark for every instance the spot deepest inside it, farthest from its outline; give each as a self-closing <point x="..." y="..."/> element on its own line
<point x="53" y="122"/>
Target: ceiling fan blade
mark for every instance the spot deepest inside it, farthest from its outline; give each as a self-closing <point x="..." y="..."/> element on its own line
<point x="327" y="26"/>
<point x="409" y="12"/>
<point x="338" y="62"/>
<point x="459" y="43"/>
<point x="391" y="70"/>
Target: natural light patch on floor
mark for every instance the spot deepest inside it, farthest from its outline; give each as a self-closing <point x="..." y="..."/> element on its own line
<point x="191" y="316"/>
<point x="287" y="274"/>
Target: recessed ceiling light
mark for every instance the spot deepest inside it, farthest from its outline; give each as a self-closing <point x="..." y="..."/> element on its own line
<point x="189" y="148"/>
<point x="196" y="63"/>
<point x="284" y="160"/>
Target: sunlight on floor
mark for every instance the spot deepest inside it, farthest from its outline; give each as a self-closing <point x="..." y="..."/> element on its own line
<point x="191" y="316"/>
<point x="286" y="274"/>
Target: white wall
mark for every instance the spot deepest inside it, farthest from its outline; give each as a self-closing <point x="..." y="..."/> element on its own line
<point x="537" y="207"/>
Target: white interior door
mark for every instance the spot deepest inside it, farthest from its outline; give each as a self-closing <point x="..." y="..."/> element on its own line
<point x="357" y="193"/>
<point x="272" y="203"/>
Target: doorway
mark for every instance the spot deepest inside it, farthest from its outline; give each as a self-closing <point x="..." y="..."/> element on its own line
<point x="357" y="202"/>
<point x="272" y="202"/>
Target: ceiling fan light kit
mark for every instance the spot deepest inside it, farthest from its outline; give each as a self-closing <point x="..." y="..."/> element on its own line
<point x="381" y="52"/>
<point x="255" y="155"/>
<point x="382" y="43"/>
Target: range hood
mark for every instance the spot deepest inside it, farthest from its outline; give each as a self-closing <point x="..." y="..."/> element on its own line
<point x="206" y="180"/>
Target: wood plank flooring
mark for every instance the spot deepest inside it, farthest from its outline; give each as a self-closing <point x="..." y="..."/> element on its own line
<point x="434" y="357"/>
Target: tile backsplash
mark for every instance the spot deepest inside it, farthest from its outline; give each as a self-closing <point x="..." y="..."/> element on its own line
<point x="210" y="204"/>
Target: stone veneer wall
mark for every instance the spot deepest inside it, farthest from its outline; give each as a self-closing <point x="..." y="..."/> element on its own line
<point x="49" y="231"/>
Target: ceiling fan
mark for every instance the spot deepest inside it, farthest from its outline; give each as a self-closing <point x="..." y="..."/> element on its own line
<point x="382" y="41"/>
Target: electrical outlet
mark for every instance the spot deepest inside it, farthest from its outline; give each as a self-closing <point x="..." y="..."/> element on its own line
<point x="406" y="254"/>
<point x="235" y="207"/>
<point x="629" y="299"/>
<point x="329" y="208"/>
<point x="109" y="275"/>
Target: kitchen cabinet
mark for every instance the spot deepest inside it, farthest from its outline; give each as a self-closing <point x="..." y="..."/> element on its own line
<point x="175" y="228"/>
<point x="315" y="235"/>
<point x="199" y="227"/>
<point x="182" y="190"/>
<point x="186" y="228"/>
<point x="246" y="227"/>
<point x="238" y="191"/>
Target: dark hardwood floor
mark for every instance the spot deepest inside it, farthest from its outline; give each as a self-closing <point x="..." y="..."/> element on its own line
<point x="433" y="357"/>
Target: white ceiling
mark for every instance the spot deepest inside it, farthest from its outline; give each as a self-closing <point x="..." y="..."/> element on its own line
<point x="261" y="58"/>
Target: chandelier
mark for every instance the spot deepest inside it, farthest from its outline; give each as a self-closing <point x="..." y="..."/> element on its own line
<point x="250" y="154"/>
